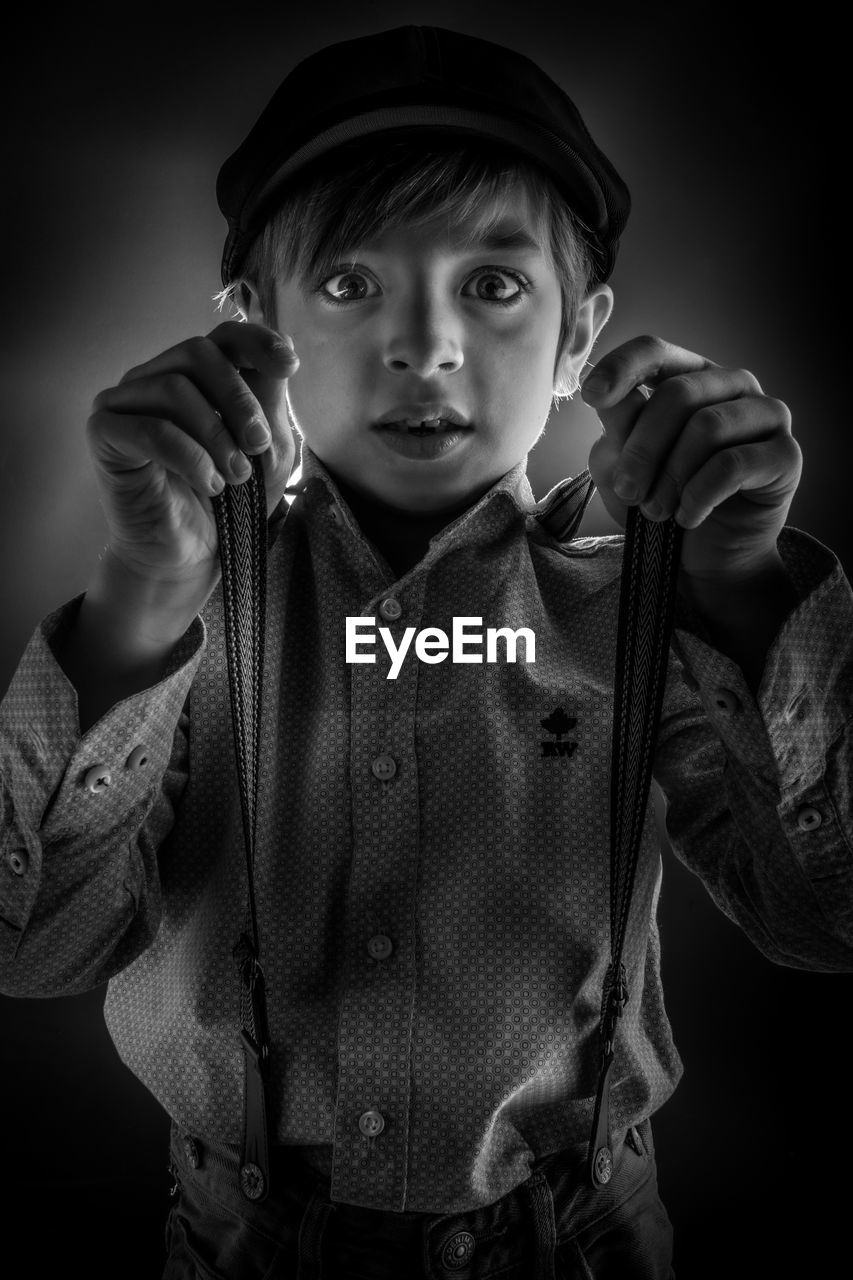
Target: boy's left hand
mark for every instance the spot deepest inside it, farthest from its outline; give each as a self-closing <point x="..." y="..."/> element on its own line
<point x="705" y="442"/>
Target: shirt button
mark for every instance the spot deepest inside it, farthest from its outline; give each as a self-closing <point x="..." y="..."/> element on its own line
<point x="137" y="759"/>
<point x="380" y="947"/>
<point x="334" y="514"/>
<point x="390" y="608"/>
<point x="371" y="1124"/>
<point x="726" y="701"/>
<point x="809" y="817"/>
<point x="98" y="779"/>
<point x="384" y="767"/>
<point x="191" y="1151"/>
<point x="18" y="860"/>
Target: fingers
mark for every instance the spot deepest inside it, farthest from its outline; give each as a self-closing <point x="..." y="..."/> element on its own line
<point x="714" y="430"/>
<point x="658" y="439"/>
<point x="646" y="360"/>
<point x="661" y="437"/>
<point x="769" y="474"/>
<point x="137" y="421"/>
<point x="212" y="365"/>
<point x="125" y="446"/>
<point x="264" y="371"/>
<point x="196" y="412"/>
<point x="657" y="475"/>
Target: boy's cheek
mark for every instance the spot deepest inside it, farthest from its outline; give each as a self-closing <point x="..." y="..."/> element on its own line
<point x="529" y="351"/>
<point x="322" y="357"/>
<point x="316" y="410"/>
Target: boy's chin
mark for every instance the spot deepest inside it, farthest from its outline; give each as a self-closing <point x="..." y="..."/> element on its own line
<point x="409" y="495"/>
<point x="431" y="496"/>
<point x="399" y="499"/>
<point x="414" y="506"/>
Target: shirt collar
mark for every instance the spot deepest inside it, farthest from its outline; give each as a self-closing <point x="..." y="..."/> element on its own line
<point x="512" y="487"/>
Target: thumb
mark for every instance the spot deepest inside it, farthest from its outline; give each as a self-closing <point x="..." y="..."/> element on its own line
<point x="603" y="457"/>
<point x="278" y="460"/>
<point x="618" y="422"/>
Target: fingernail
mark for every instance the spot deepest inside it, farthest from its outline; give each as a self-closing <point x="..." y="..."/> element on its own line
<point x="653" y="509"/>
<point x="256" y="434"/>
<point x="240" y="464"/>
<point x="625" y="488"/>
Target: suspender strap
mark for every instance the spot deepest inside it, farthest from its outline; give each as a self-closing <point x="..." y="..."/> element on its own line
<point x="566" y="506"/>
<point x="650" y="563"/>
<point x="241" y="522"/>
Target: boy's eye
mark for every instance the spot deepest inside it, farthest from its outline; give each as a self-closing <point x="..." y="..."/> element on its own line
<point x="346" y="286"/>
<point x="492" y="284"/>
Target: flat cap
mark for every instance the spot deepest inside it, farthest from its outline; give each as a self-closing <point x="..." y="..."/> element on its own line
<point x="418" y="80"/>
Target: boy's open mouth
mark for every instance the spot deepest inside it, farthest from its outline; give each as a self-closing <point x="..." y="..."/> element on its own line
<point x="423" y="432"/>
<point x="429" y="427"/>
<point x="423" y="419"/>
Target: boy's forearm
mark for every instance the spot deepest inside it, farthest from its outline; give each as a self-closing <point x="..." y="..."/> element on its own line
<point x="124" y="633"/>
<point x="743" y="614"/>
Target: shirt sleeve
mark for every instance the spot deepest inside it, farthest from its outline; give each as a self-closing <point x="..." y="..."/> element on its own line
<point x="758" y="789"/>
<point x="83" y="817"/>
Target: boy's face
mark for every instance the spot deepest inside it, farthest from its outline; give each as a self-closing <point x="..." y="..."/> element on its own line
<point x="423" y="323"/>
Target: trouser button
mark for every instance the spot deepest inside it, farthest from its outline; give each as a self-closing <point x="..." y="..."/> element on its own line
<point x="458" y="1250"/>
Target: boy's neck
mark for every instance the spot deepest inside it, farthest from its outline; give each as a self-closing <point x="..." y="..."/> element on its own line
<point x="402" y="536"/>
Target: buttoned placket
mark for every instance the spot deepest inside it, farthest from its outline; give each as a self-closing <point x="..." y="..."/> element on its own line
<point x="374" y="1043"/>
<point x="373" y="1100"/>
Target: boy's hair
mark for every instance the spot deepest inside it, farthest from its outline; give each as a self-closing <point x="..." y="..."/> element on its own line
<point x="370" y="189"/>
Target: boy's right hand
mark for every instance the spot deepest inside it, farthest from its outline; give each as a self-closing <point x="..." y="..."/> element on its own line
<point x="178" y="428"/>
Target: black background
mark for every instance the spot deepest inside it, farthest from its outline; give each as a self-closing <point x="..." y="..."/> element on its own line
<point x="726" y="121"/>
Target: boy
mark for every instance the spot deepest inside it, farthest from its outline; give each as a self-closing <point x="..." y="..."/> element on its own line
<point x="425" y="218"/>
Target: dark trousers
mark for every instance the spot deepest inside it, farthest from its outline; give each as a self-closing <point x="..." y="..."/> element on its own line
<point x="552" y="1227"/>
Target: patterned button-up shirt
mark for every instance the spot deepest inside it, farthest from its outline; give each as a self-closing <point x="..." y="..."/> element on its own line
<point x="433" y="848"/>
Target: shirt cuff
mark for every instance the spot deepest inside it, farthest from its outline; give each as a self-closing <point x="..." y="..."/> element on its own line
<point x="56" y="783"/>
<point x="804" y="699"/>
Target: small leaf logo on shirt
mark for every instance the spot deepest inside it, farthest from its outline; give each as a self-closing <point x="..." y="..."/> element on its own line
<point x="559" y="724"/>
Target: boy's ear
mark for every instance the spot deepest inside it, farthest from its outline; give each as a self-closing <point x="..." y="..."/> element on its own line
<point x="593" y="314"/>
<point x="247" y="302"/>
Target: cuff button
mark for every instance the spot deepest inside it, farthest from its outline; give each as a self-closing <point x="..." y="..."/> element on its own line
<point x="98" y="779"/>
<point x="18" y="861"/>
<point x="137" y="759"/>
<point x="809" y="817"/>
<point x="726" y="701"/>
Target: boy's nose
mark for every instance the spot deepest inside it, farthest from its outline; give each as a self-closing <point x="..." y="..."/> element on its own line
<point x="423" y="341"/>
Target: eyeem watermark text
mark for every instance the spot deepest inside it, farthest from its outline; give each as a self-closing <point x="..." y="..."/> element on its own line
<point x="432" y="644"/>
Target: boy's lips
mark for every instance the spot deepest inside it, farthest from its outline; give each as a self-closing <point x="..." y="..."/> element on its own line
<point x="425" y="418"/>
<point x="428" y="441"/>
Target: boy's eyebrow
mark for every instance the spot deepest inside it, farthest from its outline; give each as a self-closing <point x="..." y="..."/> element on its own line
<point x="503" y="237"/>
<point x="500" y="238"/>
